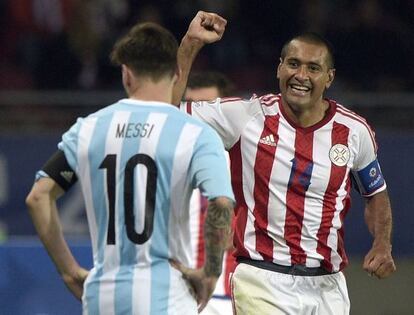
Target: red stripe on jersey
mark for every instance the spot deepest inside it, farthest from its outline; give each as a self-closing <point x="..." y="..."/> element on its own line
<point x="229" y="99"/>
<point x="346" y="112"/>
<point x="189" y="108"/>
<point x="265" y="157"/>
<point x="339" y="136"/>
<point x="240" y="210"/>
<point x="201" y="220"/>
<point x="299" y="181"/>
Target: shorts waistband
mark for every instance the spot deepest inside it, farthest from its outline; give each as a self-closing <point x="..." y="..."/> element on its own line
<point x="295" y="270"/>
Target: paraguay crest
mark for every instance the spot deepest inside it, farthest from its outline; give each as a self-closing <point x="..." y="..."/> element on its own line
<point x="339" y="154"/>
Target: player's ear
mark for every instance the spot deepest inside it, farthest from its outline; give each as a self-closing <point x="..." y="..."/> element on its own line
<point x="278" y="67"/>
<point x="126" y="80"/>
<point x="331" y="76"/>
<point x="177" y="74"/>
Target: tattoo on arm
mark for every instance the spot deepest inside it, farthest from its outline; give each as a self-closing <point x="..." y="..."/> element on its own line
<point x="216" y="233"/>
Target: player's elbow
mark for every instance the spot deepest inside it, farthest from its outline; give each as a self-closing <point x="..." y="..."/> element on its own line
<point x="33" y="198"/>
<point x="224" y="203"/>
<point x="220" y="212"/>
<point x="37" y="196"/>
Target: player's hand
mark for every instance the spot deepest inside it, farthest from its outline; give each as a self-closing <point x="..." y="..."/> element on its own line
<point x="379" y="262"/>
<point x="75" y="281"/>
<point x="206" y="27"/>
<point x="202" y="285"/>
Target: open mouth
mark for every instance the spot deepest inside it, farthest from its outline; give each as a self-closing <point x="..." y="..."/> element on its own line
<point x="298" y="89"/>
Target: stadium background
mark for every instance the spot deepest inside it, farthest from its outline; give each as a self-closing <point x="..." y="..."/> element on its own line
<point x="54" y="67"/>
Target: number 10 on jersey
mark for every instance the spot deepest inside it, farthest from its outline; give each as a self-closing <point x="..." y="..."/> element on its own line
<point x="109" y="163"/>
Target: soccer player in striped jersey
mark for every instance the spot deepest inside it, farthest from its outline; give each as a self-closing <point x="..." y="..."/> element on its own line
<point x="293" y="156"/>
<point x="138" y="161"/>
<point x="209" y="85"/>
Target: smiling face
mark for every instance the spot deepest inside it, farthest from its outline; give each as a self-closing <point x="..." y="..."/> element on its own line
<point x="304" y="73"/>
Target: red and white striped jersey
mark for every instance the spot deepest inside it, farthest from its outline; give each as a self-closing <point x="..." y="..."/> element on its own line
<point x="292" y="184"/>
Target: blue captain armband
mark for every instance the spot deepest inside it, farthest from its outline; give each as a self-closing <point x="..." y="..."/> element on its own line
<point x="369" y="179"/>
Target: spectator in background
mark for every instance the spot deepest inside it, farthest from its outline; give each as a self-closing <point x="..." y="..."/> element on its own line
<point x="138" y="161"/>
<point x="94" y="24"/>
<point x="209" y="85"/>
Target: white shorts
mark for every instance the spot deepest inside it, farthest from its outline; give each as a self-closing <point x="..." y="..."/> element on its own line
<point x="218" y="306"/>
<point x="265" y="292"/>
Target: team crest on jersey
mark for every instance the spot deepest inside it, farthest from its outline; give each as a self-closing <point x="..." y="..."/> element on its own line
<point x="339" y="154"/>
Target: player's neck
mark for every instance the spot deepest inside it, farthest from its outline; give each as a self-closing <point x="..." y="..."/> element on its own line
<point x="309" y="116"/>
<point x="148" y="90"/>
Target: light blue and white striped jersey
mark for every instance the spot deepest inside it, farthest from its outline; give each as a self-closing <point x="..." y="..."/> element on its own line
<point x="137" y="163"/>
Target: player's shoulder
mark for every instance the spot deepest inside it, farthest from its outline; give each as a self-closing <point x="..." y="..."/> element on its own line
<point x="265" y="99"/>
<point x="184" y="118"/>
<point x="350" y="118"/>
<point x="268" y="99"/>
<point x="102" y="112"/>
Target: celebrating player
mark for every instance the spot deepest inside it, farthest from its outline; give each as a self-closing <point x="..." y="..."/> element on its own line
<point x="138" y="161"/>
<point x="292" y="156"/>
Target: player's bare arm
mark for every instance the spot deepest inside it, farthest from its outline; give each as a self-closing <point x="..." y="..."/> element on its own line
<point x="205" y="28"/>
<point x="378" y="216"/>
<point x="41" y="203"/>
<point x="217" y="230"/>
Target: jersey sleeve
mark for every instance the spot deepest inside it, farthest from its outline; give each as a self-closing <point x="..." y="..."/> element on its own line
<point x="69" y="144"/>
<point x="208" y="167"/>
<point x="367" y="171"/>
<point x="228" y="116"/>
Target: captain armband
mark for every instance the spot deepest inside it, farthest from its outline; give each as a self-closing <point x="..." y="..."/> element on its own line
<point x="58" y="169"/>
<point x="369" y="179"/>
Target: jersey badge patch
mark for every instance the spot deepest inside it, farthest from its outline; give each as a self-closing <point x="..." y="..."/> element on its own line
<point x="339" y="154"/>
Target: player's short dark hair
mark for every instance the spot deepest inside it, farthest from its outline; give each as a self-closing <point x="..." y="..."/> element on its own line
<point x="205" y="79"/>
<point x="313" y="38"/>
<point x="148" y="49"/>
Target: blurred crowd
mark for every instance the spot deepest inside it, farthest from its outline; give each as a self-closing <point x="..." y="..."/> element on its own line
<point x="64" y="44"/>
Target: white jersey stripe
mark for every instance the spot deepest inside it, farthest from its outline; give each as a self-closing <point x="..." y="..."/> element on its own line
<point x="179" y="202"/>
<point x="248" y="188"/>
<point x="160" y="240"/>
<point x="113" y="146"/>
<point x="87" y="129"/>
<point x="277" y="198"/>
<point x="313" y="202"/>
<point x="83" y="170"/>
<point x="336" y="225"/>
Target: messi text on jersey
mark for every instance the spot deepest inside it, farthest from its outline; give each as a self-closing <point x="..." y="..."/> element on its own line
<point x="133" y="130"/>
